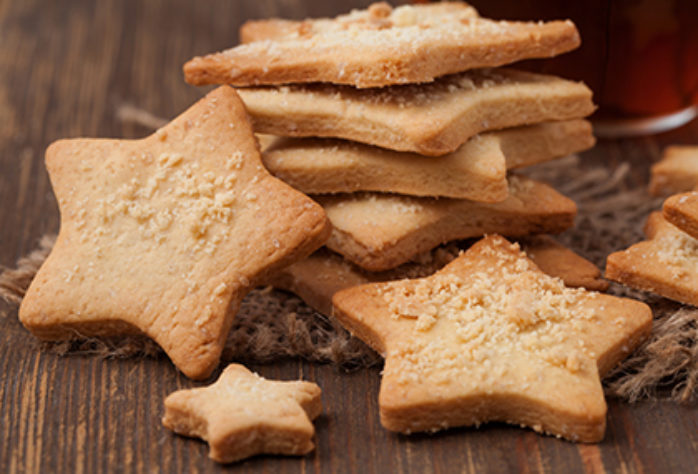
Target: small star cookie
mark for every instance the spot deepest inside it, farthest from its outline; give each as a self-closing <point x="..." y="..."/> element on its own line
<point x="492" y="338"/>
<point x="165" y="235"/>
<point x="243" y="414"/>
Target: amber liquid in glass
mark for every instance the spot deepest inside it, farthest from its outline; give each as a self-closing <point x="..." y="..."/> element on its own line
<point x="640" y="57"/>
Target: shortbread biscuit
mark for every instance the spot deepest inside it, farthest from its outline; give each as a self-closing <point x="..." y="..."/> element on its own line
<point x="317" y="278"/>
<point x="376" y="16"/>
<point x="681" y="210"/>
<point x="492" y="338"/>
<point x="556" y="260"/>
<point x="665" y="264"/>
<point x="165" y="235"/>
<point x="382" y="47"/>
<point x="381" y="231"/>
<point x="476" y="171"/>
<point x="676" y="172"/>
<point x="243" y="414"/>
<point x="430" y="119"/>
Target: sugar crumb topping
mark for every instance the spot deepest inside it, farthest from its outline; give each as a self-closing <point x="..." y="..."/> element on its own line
<point x="176" y="191"/>
<point x="471" y="325"/>
<point x="251" y="390"/>
<point x="381" y="27"/>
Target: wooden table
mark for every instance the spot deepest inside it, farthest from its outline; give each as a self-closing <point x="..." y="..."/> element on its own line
<point x="65" y="68"/>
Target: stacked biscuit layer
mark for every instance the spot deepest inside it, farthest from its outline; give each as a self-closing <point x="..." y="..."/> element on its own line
<point x="402" y="125"/>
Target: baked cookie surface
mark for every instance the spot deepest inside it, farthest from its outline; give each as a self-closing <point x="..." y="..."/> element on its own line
<point x="379" y="47"/>
<point x="317" y="278"/>
<point x="165" y="235"/>
<point x="490" y="337"/>
<point x="381" y="231"/>
<point x="476" y="171"/>
<point x="431" y="119"/>
<point x="676" y="172"/>
<point x="664" y="264"/>
<point x="243" y="414"/>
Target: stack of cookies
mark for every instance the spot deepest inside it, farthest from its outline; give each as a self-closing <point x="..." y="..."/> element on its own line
<point x="398" y="122"/>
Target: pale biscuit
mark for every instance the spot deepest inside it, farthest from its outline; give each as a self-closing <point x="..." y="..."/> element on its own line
<point x="476" y="171"/>
<point x="682" y="211"/>
<point x="243" y="414"/>
<point x="376" y="16"/>
<point x="556" y="260"/>
<point x="381" y="231"/>
<point x="676" y="172"/>
<point x="317" y="278"/>
<point x="492" y="338"/>
<point x="665" y="264"/>
<point x="410" y="44"/>
<point x="165" y="235"/>
<point x="430" y="119"/>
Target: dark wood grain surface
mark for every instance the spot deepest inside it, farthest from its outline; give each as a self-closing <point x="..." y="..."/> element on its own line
<point x="65" y="68"/>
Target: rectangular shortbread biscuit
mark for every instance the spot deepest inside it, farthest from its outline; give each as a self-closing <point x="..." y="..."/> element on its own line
<point x="476" y="171"/>
<point x="430" y="119"/>
<point x="381" y="231"/>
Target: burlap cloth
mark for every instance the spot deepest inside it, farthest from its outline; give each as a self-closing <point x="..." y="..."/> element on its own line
<point x="272" y="324"/>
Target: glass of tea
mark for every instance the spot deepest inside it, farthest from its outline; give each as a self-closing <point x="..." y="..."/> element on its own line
<point x="640" y="57"/>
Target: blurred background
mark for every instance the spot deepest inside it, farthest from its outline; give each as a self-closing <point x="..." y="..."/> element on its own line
<point x="640" y="57"/>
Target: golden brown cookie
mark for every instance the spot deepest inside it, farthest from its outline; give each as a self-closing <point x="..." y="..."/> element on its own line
<point x="492" y="338"/>
<point x="665" y="264"/>
<point x="476" y="171"/>
<point x="165" y="235"/>
<point x="243" y="414"/>
<point x="682" y="211"/>
<point x="380" y="47"/>
<point x="430" y="119"/>
<point x="375" y="16"/>
<point x="556" y="260"/>
<point x="381" y="231"/>
<point x="676" y="172"/>
<point x="317" y="278"/>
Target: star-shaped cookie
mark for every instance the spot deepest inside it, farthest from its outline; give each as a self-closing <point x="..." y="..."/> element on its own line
<point x="682" y="211"/>
<point x="243" y="414"/>
<point x="492" y="338"/>
<point x="430" y="119"/>
<point x="666" y="263"/>
<point x="476" y="171"/>
<point x="165" y="235"/>
<point x="379" y="46"/>
<point x="676" y="172"/>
